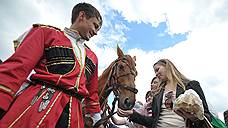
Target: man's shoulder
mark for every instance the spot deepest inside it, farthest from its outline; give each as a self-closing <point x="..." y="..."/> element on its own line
<point x="46" y="26"/>
<point x="89" y="50"/>
<point x="87" y="47"/>
<point x="91" y="54"/>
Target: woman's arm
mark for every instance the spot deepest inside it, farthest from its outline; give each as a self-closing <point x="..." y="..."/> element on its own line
<point x="192" y="120"/>
<point x="195" y="85"/>
<point x="118" y="121"/>
<point x="136" y="117"/>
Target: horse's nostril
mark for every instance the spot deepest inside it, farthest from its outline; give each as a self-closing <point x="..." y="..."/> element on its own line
<point x="127" y="103"/>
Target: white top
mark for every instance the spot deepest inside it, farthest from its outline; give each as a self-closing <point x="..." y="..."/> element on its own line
<point x="168" y="118"/>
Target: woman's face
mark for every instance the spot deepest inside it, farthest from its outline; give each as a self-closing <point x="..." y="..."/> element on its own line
<point x="154" y="83"/>
<point x="160" y="72"/>
<point x="149" y="98"/>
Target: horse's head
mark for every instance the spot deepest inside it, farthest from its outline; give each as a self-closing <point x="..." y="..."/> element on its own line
<point x="118" y="78"/>
<point x="122" y="80"/>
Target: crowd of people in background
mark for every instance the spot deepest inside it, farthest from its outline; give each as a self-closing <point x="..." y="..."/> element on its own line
<point x="170" y="84"/>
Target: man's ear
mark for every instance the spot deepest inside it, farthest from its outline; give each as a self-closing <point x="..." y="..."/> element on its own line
<point x="81" y="15"/>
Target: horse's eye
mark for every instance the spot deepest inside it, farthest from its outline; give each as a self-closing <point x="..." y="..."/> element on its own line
<point x="121" y="67"/>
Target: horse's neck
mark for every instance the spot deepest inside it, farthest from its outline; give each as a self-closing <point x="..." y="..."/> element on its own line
<point x="104" y="79"/>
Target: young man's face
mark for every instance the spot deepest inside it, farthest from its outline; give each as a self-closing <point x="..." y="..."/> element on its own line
<point x="87" y="28"/>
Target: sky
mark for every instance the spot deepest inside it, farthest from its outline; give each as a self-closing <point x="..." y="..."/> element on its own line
<point x="190" y="33"/>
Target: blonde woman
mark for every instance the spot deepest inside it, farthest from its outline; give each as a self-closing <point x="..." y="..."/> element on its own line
<point x="173" y="83"/>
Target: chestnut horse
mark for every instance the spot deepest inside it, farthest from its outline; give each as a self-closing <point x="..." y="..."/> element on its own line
<point x="118" y="78"/>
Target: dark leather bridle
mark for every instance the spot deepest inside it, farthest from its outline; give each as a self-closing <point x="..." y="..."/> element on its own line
<point x="114" y="86"/>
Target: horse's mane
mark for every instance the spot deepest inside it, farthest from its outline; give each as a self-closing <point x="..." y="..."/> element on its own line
<point x="104" y="78"/>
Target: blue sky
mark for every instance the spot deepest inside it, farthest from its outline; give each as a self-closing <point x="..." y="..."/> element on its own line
<point x="192" y="34"/>
<point x="145" y="36"/>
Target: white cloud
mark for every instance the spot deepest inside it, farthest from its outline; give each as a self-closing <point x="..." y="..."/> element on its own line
<point x="182" y="15"/>
<point x="201" y="57"/>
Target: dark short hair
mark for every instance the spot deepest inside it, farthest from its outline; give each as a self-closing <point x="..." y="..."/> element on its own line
<point x="153" y="79"/>
<point x="89" y="10"/>
<point x="147" y="94"/>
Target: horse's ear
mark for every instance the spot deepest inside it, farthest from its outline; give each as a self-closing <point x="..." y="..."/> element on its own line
<point x="119" y="52"/>
<point x="134" y="58"/>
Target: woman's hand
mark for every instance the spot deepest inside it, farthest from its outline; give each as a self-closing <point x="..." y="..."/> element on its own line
<point x="101" y="126"/>
<point x="187" y="115"/>
<point x="124" y="113"/>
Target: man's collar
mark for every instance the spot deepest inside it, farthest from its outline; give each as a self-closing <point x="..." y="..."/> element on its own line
<point x="74" y="34"/>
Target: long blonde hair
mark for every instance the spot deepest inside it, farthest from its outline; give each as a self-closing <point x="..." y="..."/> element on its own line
<point x="173" y="75"/>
